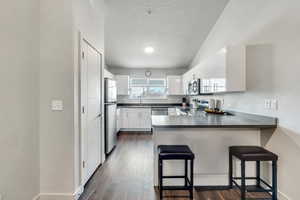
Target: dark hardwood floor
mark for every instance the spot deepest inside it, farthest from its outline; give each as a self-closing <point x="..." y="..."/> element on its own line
<point x="128" y="175"/>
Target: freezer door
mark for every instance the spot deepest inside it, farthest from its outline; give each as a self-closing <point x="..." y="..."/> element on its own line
<point x="110" y="90"/>
<point x="111" y="127"/>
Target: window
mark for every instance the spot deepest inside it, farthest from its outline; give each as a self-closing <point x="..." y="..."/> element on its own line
<point x="148" y="88"/>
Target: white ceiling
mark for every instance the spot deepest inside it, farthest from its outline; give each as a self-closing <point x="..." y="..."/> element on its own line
<point x="176" y="29"/>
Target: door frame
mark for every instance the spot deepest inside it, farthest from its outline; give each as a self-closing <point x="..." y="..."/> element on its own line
<point x="83" y="39"/>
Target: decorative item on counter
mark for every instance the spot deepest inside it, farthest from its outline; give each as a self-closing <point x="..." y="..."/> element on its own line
<point x="218" y="106"/>
<point x="214" y="111"/>
<point x="212" y="104"/>
<point x="215" y="107"/>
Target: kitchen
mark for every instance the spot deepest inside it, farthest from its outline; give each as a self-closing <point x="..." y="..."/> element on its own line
<point x="184" y="116"/>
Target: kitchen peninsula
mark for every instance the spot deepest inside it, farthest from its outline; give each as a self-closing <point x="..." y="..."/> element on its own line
<point x="209" y="136"/>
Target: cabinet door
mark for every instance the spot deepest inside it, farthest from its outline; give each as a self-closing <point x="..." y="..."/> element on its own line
<point x="174" y="85"/>
<point x="144" y="116"/>
<point x="122" y="84"/>
<point x="125" y="112"/>
<point x="119" y="119"/>
<point x="172" y="111"/>
<point x="132" y="118"/>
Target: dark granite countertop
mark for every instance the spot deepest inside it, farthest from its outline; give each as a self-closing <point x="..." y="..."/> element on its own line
<point x="200" y="119"/>
<point x="148" y="105"/>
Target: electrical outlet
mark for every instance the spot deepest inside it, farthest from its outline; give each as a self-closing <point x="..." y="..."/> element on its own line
<point x="267" y="104"/>
<point x="57" y="105"/>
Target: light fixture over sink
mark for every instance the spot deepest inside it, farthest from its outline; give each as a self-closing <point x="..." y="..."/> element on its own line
<point x="149" y="50"/>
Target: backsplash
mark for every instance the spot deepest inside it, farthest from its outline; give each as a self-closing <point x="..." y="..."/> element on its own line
<point x="169" y="99"/>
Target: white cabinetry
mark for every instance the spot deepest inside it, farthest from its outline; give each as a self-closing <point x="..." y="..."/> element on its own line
<point x="122" y="84"/>
<point x="119" y="119"/>
<point x="107" y="74"/>
<point x="135" y="118"/>
<point x="174" y="84"/>
<point x="145" y="121"/>
<point x="223" y="72"/>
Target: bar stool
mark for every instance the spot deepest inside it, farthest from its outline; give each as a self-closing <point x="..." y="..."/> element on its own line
<point x="257" y="154"/>
<point x="176" y="152"/>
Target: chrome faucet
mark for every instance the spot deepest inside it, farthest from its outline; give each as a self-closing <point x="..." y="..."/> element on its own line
<point x="140" y="98"/>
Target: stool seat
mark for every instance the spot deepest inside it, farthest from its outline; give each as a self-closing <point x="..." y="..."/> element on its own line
<point x="252" y="153"/>
<point x="175" y="152"/>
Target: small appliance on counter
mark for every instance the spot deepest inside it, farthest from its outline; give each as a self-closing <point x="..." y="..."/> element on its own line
<point x="185" y="102"/>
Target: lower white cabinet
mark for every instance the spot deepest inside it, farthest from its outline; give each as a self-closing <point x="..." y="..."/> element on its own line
<point x="118" y="119"/>
<point x="135" y="118"/>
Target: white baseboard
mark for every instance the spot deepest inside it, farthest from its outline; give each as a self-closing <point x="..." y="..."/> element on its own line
<point x="60" y="196"/>
<point x="78" y="192"/>
<point x="282" y="196"/>
<point x="56" y="196"/>
<point x="37" y="197"/>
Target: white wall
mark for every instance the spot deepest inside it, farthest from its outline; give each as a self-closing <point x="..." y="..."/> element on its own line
<point x="271" y="30"/>
<point x="88" y="19"/>
<point x="39" y="147"/>
<point x="56" y="82"/>
<point x="59" y="134"/>
<point x="19" y="55"/>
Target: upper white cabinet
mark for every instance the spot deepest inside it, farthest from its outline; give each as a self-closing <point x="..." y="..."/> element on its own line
<point x="174" y="84"/>
<point x="223" y="72"/>
<point x="235" y="70"/>
<point x="107" y="74"/>
<point x="122" y="84"/>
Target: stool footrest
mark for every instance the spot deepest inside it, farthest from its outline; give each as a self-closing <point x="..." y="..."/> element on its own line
<point x="173" y="177"/>
<point x="177" y="187"/>
<point x="252" y="188"/>
<point x="254" y="178"/>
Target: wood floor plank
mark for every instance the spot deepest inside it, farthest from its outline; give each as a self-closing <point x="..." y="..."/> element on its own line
<point x="128" y="175"/>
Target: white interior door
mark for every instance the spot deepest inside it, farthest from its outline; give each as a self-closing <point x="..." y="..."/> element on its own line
<point x="91" y="113"/>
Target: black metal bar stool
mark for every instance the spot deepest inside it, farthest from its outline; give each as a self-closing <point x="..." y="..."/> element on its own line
<point x="176" y="152"/>
<point x="257" y="154"/>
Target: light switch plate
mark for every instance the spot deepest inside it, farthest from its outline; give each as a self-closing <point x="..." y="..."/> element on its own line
<point x="274" y="104"/>
<point x="57" y="105"/>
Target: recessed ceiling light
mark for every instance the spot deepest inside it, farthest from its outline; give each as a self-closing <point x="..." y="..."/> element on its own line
<point x="149" y="50"/>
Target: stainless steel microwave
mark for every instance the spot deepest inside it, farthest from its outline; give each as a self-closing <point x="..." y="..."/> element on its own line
<point x="199" y="87"/>
<point x="194" y="87"/>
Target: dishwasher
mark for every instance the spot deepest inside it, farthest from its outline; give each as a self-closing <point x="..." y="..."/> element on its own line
<point x="159" y="111"/>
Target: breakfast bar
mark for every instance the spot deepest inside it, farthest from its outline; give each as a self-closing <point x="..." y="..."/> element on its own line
<point x="209" y="137"/>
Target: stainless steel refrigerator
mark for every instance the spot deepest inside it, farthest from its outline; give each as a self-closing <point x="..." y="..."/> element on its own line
<point x="110" y="90"/>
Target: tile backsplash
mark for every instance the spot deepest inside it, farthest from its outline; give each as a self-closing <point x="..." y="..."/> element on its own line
<point x="169" y="99"/>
